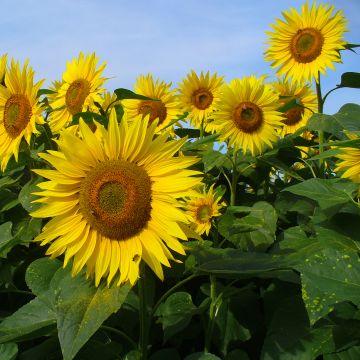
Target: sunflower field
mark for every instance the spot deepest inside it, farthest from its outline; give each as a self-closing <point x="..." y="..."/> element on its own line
<point x="202" y="220"/>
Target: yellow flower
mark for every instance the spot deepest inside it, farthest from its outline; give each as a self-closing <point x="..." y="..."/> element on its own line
<point x="3" y="62"/>
<point x="80" y="88"/>
<point x="246" y="115"/>
<point x="19" y="110"/>
<point x="166" y="109"/>
<point x="306" y="43"/>
<point x="202" y="208"/>
<point x="296" y="117"/>
<point x="198" y="95"/>
<point x="350" y="164"/>
<point x="115" y="201"/>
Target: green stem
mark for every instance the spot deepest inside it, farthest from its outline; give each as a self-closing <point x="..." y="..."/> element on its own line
<point x="202" y="129"/>
<point x="120" y="333"/>
<point x="170" y="291"/>
<point x="233" y="181"/>
<point x="320" y="132"/>
<point x="212" y="313"/>
<point x="143" y="315"/>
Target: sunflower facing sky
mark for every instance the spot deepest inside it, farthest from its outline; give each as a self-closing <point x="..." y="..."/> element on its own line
<point x="80" y="88"/>
<point x="246" y="115"/>
<point x="115" y="201"/>
<point x="197" y="95"/>
<point x="19" y="110"/>
<point x="306" y="43"/>
<point x="202" y="208"/>
<point x="298" y="116"/>
<point x="166" y="109"/>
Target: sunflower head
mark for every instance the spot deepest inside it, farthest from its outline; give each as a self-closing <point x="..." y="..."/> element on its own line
<point x="116" y="199"/>
<point x="298" y="116"/>
<point x="198" y="95"/>
<point x="165" y="107"/>
<point x="19" y="110"/>
<point x="202" y="208"/>
<point x="246" y="114"/>
<point x="306" y="43"/>
<point x="80" y="87"/>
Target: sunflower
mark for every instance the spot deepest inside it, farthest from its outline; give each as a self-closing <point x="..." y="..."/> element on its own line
<point x="19" y="110"/>
<point x="165" y="109"/>
<point x="246" y="114"/>
<point x="3" y="62"/>
<point x="202" y="208"/>
<point x="198" y="95"/>
<point x="298" y="116"/>
<point x="115" y="201"/>
<point x="306" y="43"/>
<point x="80" y="88"/>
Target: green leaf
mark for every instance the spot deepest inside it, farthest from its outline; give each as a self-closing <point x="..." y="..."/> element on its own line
<point x="350" y="80"/>
<point x="81" y="308"/>
<point x="329" y="277"/>
<point x="349" y="354"/>
<point x="7" y="181"/>
<point x="48" y="349"/>
<point x="45" y="92"/>
<point x="8" y="351"/>
<point x="345" y="119"/>
<point x="290" y="105"/>
<point x="8" y="200"/>
<point x="351" y="46"/>
<point x="202" y="356"/>
<point x="26" y="197"/>
<point x="331" y="195"/>
<point x="6" y="239"/>
<point x="216" y="159"/>
<point x="88" y="118"/>
<point x="199" y="144"/>
<point x="123" y="94"/>
<point x="191" y="133"/>
<point x="175" y="313"/>
<point x="31" y="317"/>
<point x="255" y="231"/>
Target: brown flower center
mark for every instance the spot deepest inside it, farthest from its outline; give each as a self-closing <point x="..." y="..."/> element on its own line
<point x="204" y="213"/>
<point x="293" y="116"/>
<point x="248" y="117"/>
<point x="115" y="198"/>
<point x="306" y="45"/>
<point x="155" y="110"/>
<point x="76" y="95"/>
<point x="17" y="114"/>
<point x="202" y="98"/>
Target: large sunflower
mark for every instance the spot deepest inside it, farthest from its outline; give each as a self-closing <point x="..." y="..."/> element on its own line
<point x="202" y="208"/>
<point x="80" y="88"/>
<point x="306" y="43"/>
<point x="166" y="109"/>
<point x="19" y="110"/>
<point x="198" y="95"/>
<point x="298" y="116"/>
<point x="115" y="201"/>
<point x="246" y="114"/>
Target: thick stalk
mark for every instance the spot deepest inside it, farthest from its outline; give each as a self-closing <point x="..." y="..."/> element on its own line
<point x="233" y="181"/>
<point x="320" y="132"/>
<point x="143" y="316"/>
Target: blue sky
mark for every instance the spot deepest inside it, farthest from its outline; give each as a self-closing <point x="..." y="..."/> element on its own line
<point x="164" y="37"/>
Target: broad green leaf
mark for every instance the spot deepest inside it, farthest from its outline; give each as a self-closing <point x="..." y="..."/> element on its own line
<point x="350" y="80"/>
<point x="26" y="197"/>
<point x="349" y="354"/>
<point x="294" y="103"/>
<point x="31" y="317"/>
<point x="81" y="308"/>
<point x="8" y="351"/>
<point x="123" y="94"/>
<point x="6" y="238"/>
<point x="202" y="356"/>
<point x="8" y="200"/>
<point x="199" y="144"/>
<point x="48" y="349"/>
<point x="88" y="118"/>
<point x="330" y="195"/>
<point x="176" y="313"/>
<point x="7" y="181"/>
<point x="329" y="277"/>
<point x="45" y="92"/>
<point x="191" y="133"/>
<point x="216" y="159"/>
<point x="255" y="231"/>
